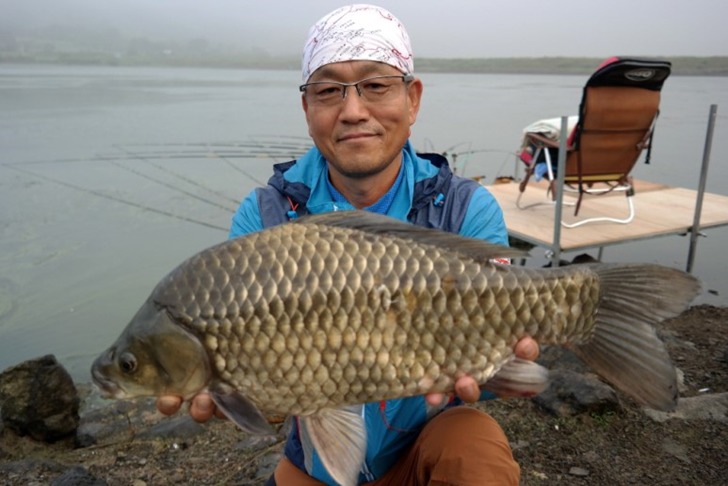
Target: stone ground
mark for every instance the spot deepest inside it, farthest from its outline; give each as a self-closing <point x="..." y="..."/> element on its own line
<point x="128" y="443"/>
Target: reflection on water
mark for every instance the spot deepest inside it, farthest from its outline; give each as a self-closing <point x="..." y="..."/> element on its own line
<point x="110" y="177"/>
<point x="8" y="298"/>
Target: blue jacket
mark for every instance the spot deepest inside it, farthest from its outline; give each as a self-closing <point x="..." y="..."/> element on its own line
<point x="429" y="195"/>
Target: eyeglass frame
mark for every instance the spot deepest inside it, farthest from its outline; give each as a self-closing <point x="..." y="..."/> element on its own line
<point x="406" y="78"/>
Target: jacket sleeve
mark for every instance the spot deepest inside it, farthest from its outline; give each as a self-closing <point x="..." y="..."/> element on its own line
<point x="247" y="218"/>
<point x="484" y="219"/>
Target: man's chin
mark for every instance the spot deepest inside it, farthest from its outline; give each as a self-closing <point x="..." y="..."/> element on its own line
<point x="360" y="169"/>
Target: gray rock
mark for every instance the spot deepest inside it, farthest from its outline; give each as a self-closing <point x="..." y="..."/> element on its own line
<point x="558" y="358"/>
<point x="702" y="407"/>
<point x="181" y="427"/>
<point x="267" y="465"/>
<point x="38" y="398"/>
<point x="571" y="393"/>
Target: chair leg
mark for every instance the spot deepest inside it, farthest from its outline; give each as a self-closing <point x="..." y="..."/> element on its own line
<point x="522" y="186"/>
<point x="628" y="219"/>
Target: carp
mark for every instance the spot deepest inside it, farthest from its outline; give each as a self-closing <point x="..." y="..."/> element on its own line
<point x="313" y="317"/>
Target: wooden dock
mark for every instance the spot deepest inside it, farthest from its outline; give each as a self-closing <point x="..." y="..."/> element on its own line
<point x="659" y="211"/>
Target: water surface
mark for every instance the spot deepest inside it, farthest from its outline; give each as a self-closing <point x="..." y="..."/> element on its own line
<point x="110" y="177"/>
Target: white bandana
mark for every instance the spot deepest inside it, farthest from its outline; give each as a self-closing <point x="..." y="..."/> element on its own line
<point x="354" y="33"/>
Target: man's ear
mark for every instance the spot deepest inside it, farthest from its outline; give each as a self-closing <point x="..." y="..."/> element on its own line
<point x="414" y="95"/>
<point x="304" y="105"/>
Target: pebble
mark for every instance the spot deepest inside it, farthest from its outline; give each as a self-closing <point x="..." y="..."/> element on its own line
<point x="579" y="471"/>
<point x="520" y="444"/>
<point x="539" y="475"/>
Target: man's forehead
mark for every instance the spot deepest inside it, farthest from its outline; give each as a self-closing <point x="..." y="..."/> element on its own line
<point x="357" y="33"/>
<point x="355" y="69"/>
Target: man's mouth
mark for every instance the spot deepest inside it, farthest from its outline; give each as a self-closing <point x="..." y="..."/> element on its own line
<point x="356" y="136"/>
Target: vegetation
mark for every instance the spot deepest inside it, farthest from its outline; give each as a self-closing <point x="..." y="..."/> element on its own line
<point x="62" y="45"/>
<point x="695" y="66"/>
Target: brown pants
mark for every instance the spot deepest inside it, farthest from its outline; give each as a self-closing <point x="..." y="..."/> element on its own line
<point x="461" y="446"/>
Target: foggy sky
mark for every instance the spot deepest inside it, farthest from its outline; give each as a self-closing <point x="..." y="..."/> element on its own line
<point x="438" y="28"/>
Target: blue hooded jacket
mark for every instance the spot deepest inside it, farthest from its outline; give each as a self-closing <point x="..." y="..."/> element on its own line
<point x="427" y="194"/>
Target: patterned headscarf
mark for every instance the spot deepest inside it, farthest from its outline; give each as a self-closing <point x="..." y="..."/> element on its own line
<point x="357" y="32"/>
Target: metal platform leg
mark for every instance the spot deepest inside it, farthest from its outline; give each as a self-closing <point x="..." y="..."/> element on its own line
<point x="695" y="229"/>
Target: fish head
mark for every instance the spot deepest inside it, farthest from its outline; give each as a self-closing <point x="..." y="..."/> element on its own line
<point x="153" y="356"/>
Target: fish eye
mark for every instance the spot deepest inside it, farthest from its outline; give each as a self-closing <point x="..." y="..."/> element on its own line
<point x="127" y="363"/>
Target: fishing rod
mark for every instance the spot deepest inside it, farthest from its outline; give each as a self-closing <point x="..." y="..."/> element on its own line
<point x="179" y="176"/>
<point x="235" y="167"/>
<point x="114" y="198"/>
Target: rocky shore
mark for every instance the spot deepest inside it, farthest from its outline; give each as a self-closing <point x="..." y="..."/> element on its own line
<point x="580" y="431"/>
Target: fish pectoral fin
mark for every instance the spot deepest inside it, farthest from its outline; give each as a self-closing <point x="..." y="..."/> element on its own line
<point x="339" y="437"/>
<point x="518" y="378"/>
<point x="242" y="411"/>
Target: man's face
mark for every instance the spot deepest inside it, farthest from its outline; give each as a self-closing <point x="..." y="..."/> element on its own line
<point x="360" y="138"/>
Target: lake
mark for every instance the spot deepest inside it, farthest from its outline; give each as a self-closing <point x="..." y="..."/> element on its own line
<point x="112" y="176"/>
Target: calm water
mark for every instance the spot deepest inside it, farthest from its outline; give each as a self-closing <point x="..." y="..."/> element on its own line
<point x="109" y="177"/>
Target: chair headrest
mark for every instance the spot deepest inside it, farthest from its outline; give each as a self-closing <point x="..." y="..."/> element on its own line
<point x="639" y="73"/>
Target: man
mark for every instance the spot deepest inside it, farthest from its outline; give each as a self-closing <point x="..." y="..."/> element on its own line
<point x="360" y="99"/>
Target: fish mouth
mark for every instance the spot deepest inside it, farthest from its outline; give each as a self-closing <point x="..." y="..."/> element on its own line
<point x="107" y="388"/>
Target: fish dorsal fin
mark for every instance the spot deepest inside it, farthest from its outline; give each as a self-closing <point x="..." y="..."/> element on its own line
<point x="339" y="437"/>
<point x="240" y="410"/>
<point x="377" y="224"/>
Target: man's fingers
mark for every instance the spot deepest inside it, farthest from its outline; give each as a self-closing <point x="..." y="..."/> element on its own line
<point x="527" y="348"/>
<point x="434" y="399"/>
<point x="169" y="405"/>
<point x="467" y="389"/>
<point x="202" y="407"/>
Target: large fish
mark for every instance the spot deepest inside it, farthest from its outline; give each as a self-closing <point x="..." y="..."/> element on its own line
<point x="312" y="317"/>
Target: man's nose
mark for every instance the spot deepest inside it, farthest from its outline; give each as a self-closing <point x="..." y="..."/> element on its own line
<point x="353" y="105"/>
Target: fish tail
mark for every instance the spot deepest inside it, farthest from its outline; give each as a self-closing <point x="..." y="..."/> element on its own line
<point x="625" y="348"/>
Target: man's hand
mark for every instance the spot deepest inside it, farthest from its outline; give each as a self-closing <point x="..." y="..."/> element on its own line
<point x="467" y="388"/>
<point x="202" y="408"/>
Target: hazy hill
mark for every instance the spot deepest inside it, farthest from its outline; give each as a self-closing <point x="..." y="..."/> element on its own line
<point x="107" y="46"/>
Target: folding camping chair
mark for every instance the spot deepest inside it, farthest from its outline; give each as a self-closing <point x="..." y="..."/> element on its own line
<point x="616" y="122"/>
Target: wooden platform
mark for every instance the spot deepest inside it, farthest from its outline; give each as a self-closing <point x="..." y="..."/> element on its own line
<point x="659" y="211"/>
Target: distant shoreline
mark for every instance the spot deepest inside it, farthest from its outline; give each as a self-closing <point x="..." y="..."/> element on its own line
<point x="681" y="65"/>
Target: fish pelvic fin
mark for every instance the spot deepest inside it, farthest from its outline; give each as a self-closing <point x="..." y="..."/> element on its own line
<point x="625" y="348"/>
<point x="241" y="410"/>
<point x="339" y="437"/>
<point x="518" y="378"/>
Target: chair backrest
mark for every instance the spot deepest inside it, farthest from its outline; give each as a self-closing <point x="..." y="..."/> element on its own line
<point x="617" y="113"/>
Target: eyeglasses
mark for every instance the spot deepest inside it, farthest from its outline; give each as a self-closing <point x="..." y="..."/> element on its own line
<point x="377" y="89"/>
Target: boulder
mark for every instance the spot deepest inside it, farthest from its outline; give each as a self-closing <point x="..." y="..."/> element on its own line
<point x="38" y="398"/>
<point x="571" y="393"/>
